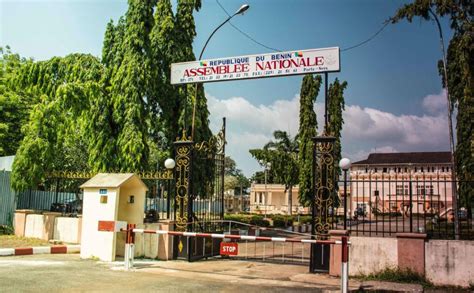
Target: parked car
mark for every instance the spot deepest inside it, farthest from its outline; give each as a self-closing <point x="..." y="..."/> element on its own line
<point x="360" y="212"/>
<point x="72" y="206"/>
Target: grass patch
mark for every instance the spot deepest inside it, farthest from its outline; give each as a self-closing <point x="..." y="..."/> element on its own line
<point x="12" y="241"/>
<point x="397" y="275"/>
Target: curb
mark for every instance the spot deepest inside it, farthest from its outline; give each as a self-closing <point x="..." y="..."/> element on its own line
<point x="40" y="250"/>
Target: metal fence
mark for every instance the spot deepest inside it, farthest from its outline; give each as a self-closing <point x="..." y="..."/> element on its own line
<point x="7" y="199"/>
<point x="386" y="207"/>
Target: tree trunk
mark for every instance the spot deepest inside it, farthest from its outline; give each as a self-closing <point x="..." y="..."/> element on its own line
<point x="290" y="200"/>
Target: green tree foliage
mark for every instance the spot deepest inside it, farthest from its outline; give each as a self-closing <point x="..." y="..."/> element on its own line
<point x="130" y="88"/>
<point x="55" y="136"/>
<point x="234" y="178"/>
<point x="460" y="80"/>
<point x="14" y="104"/>
<point x="282" y="154"/>
<point x="460" y="71"/>
<point x="108" y="115"/>
<point x="307" y="131"/>
<point x="185" y="34"/>
<point x="335" y="108"/>
<point x="167" y="106"/>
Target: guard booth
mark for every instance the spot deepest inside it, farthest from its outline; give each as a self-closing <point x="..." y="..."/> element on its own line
<point x="110" y="198"/>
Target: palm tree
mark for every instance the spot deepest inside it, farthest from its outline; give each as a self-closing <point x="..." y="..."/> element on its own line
<point x="283" y="154"/>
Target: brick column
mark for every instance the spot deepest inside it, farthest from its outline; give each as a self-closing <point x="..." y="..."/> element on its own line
<point x="411" y="251"/>
<point x="20" y="221"/>
<point x="335" y="254"/>
<point x="48" y="222"/>
<point x="166" y="242"/>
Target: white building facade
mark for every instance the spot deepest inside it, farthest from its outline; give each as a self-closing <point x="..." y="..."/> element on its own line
<point x="394" y="182"/>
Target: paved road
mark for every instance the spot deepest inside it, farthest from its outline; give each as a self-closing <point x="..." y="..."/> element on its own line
<point x="67" y="273"/>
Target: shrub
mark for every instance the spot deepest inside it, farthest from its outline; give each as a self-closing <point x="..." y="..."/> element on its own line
<point x="305" y="219"/>
<point x="256" y="220"/>
<point x="6" y="230"/>
<point x="259" y="221"/>
<point x="280" y="221"/>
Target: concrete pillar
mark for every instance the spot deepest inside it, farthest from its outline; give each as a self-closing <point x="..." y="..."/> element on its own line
<point x="48" y="227"/>
<point x="411" y="252"/>
<point x="165" y="250"/>
<point x="79" y="229"/>
<point x="335" y="254"/>
<point x="20" y="221"/>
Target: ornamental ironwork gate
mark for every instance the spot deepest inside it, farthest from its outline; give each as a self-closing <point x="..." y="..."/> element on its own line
<point x="199" y="204"/>
<point x="324" y="200"/>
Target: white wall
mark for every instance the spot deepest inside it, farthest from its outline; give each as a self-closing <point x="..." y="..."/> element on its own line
<point x="450" y="262"/>
<point x="372" y="254"/>
<point x="96" y="243"/>
<point x="34" y="226"/>
<point x="67" y="229"/>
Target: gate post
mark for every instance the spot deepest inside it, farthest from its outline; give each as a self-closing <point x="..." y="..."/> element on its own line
<point x="129" y="247"/>
<point x="322" y="205"/>
<point x="183" y="202"/>
<point x="184" y="150"/>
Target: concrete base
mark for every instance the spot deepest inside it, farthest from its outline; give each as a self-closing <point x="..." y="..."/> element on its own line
<point x="153" y="246"/>
<point x="335" y="254"/>
<point x="411" y="252"/>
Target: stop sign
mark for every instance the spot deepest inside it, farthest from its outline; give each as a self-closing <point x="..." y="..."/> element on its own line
<point x="229" y="248"/>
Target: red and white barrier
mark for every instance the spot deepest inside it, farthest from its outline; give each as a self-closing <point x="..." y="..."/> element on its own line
<point x="229" y="250"/>
<point x="40" y="250"/>
<point x="238" y="237"/>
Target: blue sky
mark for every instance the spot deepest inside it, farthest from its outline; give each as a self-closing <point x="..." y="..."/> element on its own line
<point x="394" y="98"/>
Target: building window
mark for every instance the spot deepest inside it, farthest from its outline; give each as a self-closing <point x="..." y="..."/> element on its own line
<point x="422" y="169"/>
<point x="416" y="170"/>
<point x="376" y="193"/>
<point x="366" y="170"/>
<point x="406" y="170"/>
<point x="401" y="189"/>
<point x="375" y="170"/>
<point x="384" y="170"/>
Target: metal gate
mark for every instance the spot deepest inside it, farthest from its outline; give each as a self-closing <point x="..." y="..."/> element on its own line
<point x="199" y="202"/>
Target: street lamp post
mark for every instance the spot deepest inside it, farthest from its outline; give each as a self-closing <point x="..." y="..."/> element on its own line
<point x="169" y="164"/>
<point x="266" y="167"/>
<point x="241" y="10"/>
<point x="451" y="134"/>
<point x="345" y="165"/>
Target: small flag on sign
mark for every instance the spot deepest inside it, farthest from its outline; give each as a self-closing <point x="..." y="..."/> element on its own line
<point x="299" y="54"/>
<point x="203" y="63"/>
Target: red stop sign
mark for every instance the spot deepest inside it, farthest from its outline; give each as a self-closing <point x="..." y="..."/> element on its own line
<point x="229" y="248"/>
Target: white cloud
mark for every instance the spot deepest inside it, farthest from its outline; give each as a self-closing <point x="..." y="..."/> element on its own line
<point x="365" y="130"/>
<point x="435" y="104"/>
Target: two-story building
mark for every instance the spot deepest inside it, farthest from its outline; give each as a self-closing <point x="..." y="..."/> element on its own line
<point x="392" y="182"/>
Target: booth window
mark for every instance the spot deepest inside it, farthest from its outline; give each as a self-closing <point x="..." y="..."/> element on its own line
<point x="103" y="199"/>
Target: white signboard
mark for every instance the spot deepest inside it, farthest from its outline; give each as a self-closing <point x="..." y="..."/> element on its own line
<point x="257" y="66"/>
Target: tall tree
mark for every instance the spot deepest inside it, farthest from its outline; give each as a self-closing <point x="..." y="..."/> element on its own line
<point x="460" y="76"/>
<point x="308" y="130"/>
<point x="130" y="88"/>
<point x="336" y="106"/>
<point x="282" y="154"/>
<point x="185" y="33"/>
<point x="163" y="37"/>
